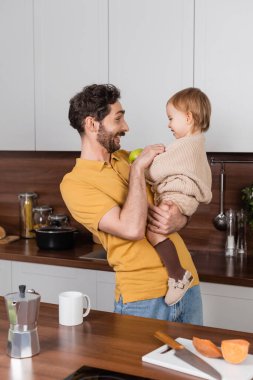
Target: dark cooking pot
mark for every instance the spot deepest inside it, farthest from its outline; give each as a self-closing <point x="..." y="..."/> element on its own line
<point x="55" y="238"/>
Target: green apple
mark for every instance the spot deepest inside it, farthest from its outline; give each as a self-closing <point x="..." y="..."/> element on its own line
<point x="134" y="154"/>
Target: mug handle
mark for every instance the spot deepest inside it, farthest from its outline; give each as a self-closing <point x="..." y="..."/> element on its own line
<point x="88" y="305"/>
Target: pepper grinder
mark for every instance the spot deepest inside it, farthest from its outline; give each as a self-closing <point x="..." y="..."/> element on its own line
<point x="230" y="242"/>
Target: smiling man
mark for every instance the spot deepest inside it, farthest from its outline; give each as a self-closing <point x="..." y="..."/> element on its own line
<point x="110" y="198"/>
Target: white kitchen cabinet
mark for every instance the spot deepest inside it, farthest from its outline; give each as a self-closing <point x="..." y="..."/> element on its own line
<point x="227" y="306"/>
<point x="50" y="280"/>
<point x="5" y="277"/>
<point x="150" y="58"/>
<point x="223" y="69"/>
<point x="16" y="75"/>
<point x="105" y="290"/>
<point x="71" y="51"/>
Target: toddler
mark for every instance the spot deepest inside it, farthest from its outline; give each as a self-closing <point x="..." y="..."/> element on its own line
<point x="181" y="175"/>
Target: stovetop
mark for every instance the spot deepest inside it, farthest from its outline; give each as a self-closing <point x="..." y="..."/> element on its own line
<point x="91" y="373"/>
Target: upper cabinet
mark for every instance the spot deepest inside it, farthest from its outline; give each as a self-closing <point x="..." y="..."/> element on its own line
<point x="16" y="75"/>
<point x="49" y="51"/>
<point x="223" y="69"/>
<point x="71" y="51"/>
<point x="150" y="58"/>
<point x="150" y="49"/>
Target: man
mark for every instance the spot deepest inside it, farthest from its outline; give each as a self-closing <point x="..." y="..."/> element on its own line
<point x="110" y="198"/>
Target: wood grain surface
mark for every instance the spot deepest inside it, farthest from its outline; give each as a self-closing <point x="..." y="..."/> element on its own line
<point x="104" y="340"/>
<point x="42" y="172"/>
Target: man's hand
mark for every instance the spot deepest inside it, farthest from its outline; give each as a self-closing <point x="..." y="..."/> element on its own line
<point x="165" y="219"/>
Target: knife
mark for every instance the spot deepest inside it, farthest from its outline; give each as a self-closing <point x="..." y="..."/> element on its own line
<point x="187" y="356"/>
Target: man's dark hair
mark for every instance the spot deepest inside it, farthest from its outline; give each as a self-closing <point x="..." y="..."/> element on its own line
<point x="93" y="100"/>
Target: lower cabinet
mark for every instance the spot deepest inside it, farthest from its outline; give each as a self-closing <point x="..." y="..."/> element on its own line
<point x="50" y="280"/>
<point x="224" y="306"/>
<point x="105" y="290"/>
<point x="5" y="277"/>
<point x="227" y="306"/>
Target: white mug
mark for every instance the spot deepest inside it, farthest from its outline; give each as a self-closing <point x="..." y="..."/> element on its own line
<point x="71" y="305"/>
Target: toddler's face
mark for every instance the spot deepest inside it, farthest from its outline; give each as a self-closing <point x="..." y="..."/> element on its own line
<point x="180" y="123"/>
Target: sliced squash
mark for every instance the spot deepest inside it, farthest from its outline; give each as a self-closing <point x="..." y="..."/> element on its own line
<point x="206" y="347"/>
<point x="235" y="351"/>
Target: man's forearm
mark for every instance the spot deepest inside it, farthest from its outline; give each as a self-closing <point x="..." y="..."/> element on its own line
<point x="135" y="209"/>
<point x="129" y="221"/>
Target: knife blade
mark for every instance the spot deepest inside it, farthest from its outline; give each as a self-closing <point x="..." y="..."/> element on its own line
<point x="187" y="356"/>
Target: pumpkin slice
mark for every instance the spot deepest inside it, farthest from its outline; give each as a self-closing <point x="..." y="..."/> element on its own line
<point x="206" y="347"/>
<point x="235" y="351"/>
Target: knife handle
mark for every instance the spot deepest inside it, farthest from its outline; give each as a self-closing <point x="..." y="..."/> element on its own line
<point x="168" y="340"/>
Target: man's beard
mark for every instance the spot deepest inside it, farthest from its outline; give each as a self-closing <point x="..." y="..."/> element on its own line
<point x="106" y="139"/>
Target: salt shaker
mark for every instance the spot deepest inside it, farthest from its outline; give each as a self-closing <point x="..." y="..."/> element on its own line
<point x="230" y="243"/>
<point x="241" y="243"/>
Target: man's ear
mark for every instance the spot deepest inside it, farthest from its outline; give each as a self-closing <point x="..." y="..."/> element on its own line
<point x="90" y="124"/>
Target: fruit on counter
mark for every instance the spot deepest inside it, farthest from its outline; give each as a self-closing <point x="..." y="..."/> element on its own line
<point x="235" y="351"/>
<point x="2" y="233"/>
<point x="134" y="154"/>
<point x="206" y="347"/>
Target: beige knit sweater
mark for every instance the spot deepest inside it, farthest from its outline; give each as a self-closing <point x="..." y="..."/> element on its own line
<point x="182" y="174"/>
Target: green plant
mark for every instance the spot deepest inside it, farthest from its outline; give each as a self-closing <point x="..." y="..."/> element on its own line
<point x="247" y="198"/>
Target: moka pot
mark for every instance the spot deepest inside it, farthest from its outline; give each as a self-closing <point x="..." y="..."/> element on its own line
<point x="23" y="310"/>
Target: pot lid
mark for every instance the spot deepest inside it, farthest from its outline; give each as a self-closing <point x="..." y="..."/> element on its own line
<point x="55" y="230"/>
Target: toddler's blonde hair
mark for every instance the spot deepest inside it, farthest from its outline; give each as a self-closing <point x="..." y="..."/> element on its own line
<point x="195" y="101"/>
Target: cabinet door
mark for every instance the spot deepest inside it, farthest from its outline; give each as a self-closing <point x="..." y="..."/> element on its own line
<point x="105" y="290"/>
<point x="223" y="69"/>
<point x="5" y="277"/>
<point x="50" y="280"/>
<point x="150" y="58"/>
<point x="16" y="75"/>
<point x="71" y="51"/>
<point x="227" y="306"/>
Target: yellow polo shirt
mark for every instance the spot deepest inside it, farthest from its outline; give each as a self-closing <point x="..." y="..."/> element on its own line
<point x="90" y="190"/>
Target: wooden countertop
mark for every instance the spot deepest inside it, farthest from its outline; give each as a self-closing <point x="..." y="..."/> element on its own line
<point x="212" y="267"/>
<point x="105" y="340"/>
<point x="26" y="250"/>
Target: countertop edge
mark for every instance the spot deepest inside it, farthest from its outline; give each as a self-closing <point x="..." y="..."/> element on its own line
<point x="211" y="267"/>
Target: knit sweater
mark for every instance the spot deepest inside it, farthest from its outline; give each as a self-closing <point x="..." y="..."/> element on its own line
<point x="182" y="174"/>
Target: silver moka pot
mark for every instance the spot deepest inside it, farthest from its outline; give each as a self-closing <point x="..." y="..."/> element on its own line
<point x="23" y="310"/>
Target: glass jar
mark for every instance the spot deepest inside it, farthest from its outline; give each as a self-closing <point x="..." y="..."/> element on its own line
<point x="41" y="216"/>
<point x="59" y="220"/>
<point x="26" y="204"/>
<point x="241" y="243"/>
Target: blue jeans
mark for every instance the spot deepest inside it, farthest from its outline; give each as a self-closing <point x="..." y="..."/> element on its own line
<point x="187" y="310"/>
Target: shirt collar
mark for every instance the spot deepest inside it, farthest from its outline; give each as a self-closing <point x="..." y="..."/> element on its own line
<point x="94" y="165"/>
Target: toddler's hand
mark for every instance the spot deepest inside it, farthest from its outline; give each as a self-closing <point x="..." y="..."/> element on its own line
<point x="147" y="155"/>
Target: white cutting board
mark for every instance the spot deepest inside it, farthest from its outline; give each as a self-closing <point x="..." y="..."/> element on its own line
<point x="243" y="371"/>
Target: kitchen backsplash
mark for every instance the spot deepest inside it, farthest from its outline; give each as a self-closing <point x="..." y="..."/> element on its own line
<point x="41" y="172"/>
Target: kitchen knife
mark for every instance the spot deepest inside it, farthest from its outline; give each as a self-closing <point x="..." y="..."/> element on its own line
<point x="187" y="356"/>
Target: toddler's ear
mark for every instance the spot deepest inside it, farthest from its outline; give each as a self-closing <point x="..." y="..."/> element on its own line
<point x="189" y="117"/>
